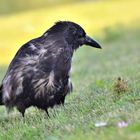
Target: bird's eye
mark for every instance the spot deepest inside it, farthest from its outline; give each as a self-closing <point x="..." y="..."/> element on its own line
<point x="80" y="35"/>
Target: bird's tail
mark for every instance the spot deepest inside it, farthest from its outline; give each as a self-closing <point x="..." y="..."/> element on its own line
<point x="1" y="102"/>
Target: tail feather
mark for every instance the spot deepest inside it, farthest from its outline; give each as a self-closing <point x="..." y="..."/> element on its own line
<point x="1" y="102"/>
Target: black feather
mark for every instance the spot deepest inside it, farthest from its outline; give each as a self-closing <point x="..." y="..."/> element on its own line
<point x="39" y="73"/>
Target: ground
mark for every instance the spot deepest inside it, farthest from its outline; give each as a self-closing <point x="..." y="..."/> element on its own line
<point x="94" y="73"/>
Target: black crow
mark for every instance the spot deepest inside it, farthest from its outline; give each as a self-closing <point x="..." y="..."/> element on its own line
<point x="39" y="74"/>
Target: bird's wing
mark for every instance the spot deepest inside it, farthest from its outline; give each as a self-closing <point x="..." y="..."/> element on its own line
<point x="21" y="67"/>
<point x="37" y="69"/>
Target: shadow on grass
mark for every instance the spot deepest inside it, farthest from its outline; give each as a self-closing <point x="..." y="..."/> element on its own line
<point x="14" y="6"/>
<point x="112" y="34"/>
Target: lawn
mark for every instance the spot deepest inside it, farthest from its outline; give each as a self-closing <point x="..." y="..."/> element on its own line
<point x="117" y="27"/>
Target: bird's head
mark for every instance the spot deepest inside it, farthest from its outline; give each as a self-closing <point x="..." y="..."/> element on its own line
<point x="73" y="33"/>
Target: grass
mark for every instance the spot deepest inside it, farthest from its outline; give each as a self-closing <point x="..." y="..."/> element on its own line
<point x="94" y="73"/>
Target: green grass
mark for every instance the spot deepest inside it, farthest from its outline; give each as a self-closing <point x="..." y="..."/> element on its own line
<point x="94" y="73"/>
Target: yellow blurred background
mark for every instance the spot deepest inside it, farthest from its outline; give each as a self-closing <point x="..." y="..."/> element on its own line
<point x="21" y="20"/>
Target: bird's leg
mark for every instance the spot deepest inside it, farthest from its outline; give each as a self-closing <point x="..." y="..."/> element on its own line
<point x="21" y="108"/>
<point x="63" y="101"/>
<point x="46" y="110"/>
<point x="23" y="112"/>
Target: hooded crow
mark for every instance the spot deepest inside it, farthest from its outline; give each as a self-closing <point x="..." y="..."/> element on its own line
<point x="39" y="74"/>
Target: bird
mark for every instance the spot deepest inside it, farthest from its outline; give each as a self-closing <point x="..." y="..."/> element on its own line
<point x="39" y="74"/>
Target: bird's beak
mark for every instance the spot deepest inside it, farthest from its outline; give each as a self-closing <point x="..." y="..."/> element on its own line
<point x="89" y="41"/>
